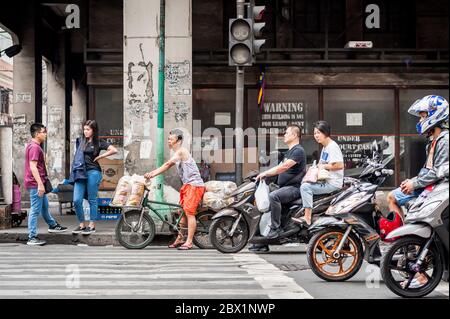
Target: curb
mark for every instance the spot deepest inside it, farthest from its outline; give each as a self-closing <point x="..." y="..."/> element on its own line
<point x="96" y="239"/>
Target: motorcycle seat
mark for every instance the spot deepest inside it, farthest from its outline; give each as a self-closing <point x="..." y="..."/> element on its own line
<point x="315" y="198"/>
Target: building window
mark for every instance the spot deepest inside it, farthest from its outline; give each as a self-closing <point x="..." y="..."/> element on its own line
<point x="108" y="110"/>
<point x="357" y="118"/>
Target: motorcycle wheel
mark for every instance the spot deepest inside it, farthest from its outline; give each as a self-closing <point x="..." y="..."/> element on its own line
<point x="396" y="272"/>
<point x="201" y="237"/>
<point x="131" y="238"/>
<point x="321" y="260"/>
<point x="222" y="241"/>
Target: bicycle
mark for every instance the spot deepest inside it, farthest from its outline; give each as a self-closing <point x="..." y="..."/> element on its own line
<point x="136" y="228"/>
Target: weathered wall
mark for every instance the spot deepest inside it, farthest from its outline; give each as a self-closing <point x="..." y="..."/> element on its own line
<point x="54" y="119"/>
<point x="6" y="166"/>
<point x="77" y="115"/>
<point x="24" y="91"/>
<point x="141" y="61"/>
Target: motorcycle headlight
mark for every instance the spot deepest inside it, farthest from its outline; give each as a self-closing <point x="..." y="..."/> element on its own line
<point x="349" y="203"/>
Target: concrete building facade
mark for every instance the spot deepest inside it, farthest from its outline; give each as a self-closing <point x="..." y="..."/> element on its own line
<point x="107" y="70"/>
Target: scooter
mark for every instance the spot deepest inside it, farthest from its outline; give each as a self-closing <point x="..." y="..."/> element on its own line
<point x="238" y="224"/>
<point x="422" y="245"/>
<point x="349" y="232"/>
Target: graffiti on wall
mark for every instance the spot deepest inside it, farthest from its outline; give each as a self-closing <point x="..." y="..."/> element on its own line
<point x="140" y="87"/>
<point x="178" y="77"/>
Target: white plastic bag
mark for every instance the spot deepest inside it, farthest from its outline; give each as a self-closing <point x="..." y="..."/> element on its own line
<point x="262" y="197"/>
<point x="264" y="224"/>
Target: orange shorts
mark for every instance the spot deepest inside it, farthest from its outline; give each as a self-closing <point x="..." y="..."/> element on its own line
<point x="191" y="197"/>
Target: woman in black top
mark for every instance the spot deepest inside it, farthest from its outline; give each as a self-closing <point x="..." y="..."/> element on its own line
<point x="91" y="146"/>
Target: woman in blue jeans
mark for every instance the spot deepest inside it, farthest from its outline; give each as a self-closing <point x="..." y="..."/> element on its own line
<point x="88" y="154"/>
<point x="332" y="160"/>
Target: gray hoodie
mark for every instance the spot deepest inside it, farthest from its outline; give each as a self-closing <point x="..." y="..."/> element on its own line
<point x="429" y="176"/>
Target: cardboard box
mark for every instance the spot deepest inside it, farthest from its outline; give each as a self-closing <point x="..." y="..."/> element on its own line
<point x="5" y="223"/>
<point x="112" y="171"/>
<point x="5" y="211"/>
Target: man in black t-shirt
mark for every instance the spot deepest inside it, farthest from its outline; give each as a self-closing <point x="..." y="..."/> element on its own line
<point x="290" y="174"/>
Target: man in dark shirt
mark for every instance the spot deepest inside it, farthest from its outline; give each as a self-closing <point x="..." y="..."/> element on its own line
<point x="290" y="173"/>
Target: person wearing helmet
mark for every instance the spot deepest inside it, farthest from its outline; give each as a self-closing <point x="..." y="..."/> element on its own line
<point x="433" y="113"/>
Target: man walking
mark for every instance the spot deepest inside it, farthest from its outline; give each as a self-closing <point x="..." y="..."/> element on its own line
<point x="35" y="179"/>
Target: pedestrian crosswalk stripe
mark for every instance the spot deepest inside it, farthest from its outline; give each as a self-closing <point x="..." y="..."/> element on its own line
<point x="152" y="273"/>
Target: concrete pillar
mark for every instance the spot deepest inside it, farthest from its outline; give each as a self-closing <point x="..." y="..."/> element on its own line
<point x="77" y="115"/>
<point x="6" y="154"/>
<point x="54" y="119"/>
<point x="141" y="58"/>
<point x="24" y="92"/>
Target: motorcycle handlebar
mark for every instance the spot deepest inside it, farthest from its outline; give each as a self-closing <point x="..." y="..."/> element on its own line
<point x="388" y="172"/>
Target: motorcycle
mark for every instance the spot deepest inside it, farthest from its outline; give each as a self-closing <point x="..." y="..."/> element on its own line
<point x="238" y="224"/>
<point x="349" y="232"/>
<point x="422" y="247"/>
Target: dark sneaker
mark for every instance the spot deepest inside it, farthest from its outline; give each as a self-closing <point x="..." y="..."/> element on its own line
<point x="78" y="230"/>
<point x="36" y="242"/>
<point x="88" y="231"/>
<point x="259" y="248"/>
<point x="57" y="229"/>
<point x="273" y="233"/>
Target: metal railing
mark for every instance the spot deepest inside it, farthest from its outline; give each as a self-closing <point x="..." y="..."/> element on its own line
<point x="334" y="57"/>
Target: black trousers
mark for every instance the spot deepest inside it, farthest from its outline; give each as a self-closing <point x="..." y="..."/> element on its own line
<point x="279" y="197"/>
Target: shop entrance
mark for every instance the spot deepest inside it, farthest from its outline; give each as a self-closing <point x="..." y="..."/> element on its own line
<point x="106" y="107"/>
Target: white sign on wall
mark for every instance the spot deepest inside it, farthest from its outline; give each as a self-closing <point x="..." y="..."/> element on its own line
<point x="354" y="119"/>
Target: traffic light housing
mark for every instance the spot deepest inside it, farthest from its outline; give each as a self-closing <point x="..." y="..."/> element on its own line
<point x="257" y="15"/>
<point x="240" y="42"/>
<point x="244" y="37"/>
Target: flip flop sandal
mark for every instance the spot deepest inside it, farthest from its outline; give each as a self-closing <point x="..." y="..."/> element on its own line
<point x="176" y="245"/>
<point x="185" y="247"/>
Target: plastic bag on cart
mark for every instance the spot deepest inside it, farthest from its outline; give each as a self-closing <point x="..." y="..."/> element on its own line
<point x="215" y="201"/>
<point x="137" y="190"/>
<point x="220" y="188"/>
<point x="122" y="192"/>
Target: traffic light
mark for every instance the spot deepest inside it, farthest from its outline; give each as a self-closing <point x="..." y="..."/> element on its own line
<point x="257" y="14"/>
<point x="244" y="42"/>
<point x="240" y="42"/>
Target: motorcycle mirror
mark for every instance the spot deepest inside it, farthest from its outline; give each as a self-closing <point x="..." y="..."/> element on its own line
<point x="374" y="146"/>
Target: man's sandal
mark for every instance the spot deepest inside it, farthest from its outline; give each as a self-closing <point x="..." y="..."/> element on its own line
<point x="185" y="247"/>
<point x="176" y="245"/>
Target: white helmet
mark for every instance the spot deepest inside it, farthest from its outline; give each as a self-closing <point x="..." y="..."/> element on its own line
<point x="437" y="109"/>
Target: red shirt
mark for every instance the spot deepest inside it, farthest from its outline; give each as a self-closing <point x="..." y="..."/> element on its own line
<point x="34" y="152"/>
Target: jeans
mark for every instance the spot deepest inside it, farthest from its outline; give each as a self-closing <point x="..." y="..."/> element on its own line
<point x="39" y="206"/>
<point x="308" y="191"/>
<point x="279" y="197"/>
<point x="403" y="199"/>
<point x="90" y="185"/>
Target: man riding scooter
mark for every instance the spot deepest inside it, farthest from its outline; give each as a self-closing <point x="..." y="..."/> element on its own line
<point x="433" y="111"/>
<point x="289" y="173"/>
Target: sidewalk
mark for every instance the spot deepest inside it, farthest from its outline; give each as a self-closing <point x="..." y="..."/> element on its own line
<point x="104" y="235"/>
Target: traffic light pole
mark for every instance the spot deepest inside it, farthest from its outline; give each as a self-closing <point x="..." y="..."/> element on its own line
<point x="240" y="82"/>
